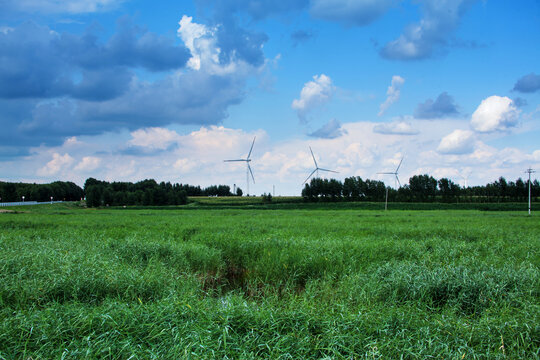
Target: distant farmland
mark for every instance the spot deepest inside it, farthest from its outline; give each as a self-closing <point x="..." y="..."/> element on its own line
<point x="308" y="281"/>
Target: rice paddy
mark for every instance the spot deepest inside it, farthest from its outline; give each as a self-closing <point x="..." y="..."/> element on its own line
<point x="203" y="282"/>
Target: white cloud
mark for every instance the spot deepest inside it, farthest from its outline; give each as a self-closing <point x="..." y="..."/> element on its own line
<point x="495" y="113"/>
<point x="457" y="142"/>
<point x="483" y="154"/>
<point x="314" y="94"/>
<point x="395" y="128"/>
<point x="71" y="141"/>
<point x="185" y="165"/>
<point x="197" y="157"/>
<point x="393" y="93"/>
<point x="88" y="163"/>
<point x="58" y="163"/>
<point x="201" y="40"/>
<point x="430" y="35"/>
<point x="154" y="138"/>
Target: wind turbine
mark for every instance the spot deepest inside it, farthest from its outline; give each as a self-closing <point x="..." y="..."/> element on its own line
<point x="317" y="168"/>
<point x="395" y="173"/>
<point x="247" y="160"/>
<point x="465" y="175"/>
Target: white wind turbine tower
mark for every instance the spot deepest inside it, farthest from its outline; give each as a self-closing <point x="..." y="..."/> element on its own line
<point x="317" y="168"/>
<point x="465" y="175"/>
<point x="395" y="173"/>
<point x="247" y="160"/>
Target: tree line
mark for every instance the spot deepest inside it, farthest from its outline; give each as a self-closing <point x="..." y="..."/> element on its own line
<point x="147" y="193"/>
<point x="421" y="188"/>
<point x="58" y="190"/>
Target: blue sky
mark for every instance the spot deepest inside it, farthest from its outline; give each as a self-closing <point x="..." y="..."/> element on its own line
<point x="126" y="90"/>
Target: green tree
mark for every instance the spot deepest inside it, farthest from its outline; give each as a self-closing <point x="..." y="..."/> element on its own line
<point x="93" y="195"/>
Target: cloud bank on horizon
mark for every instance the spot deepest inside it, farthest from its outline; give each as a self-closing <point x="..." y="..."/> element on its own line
<point x="107" y="88"/>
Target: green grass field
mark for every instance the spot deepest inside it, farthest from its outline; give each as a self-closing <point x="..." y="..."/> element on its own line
<point x="311" y="282"/>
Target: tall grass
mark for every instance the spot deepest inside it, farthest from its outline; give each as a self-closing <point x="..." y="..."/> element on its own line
<point x="117" y="284"/>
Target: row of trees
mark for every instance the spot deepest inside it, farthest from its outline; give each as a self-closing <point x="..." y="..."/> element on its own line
<point x="58" y="190"/>
<point x="147" y="193"/>
<point x="212" y="190"/>
<point x="421" y="188"/>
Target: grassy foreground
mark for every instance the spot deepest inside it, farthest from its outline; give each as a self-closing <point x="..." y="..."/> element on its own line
<point x="241" y="283"/>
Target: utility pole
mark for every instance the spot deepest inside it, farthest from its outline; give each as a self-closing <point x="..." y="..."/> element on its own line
<point x="529" y="171"/>
<point x="386" y="200"/>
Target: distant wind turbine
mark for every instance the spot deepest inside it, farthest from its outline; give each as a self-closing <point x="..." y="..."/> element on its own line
<point x="317" y="168"/>
<point x="395" y="173"/>
<point x="247" y="160"/>
<point x="465" y="175"/>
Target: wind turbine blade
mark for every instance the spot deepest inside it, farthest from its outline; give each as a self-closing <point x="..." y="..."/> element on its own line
<point x="398" y="180"/>
<point x="399" y="164"/>
<point x="387" y="173"/>
<point x="329" y="170"/>
<point x="313" y="156"/>
<point x="313" y="172"/>
<point x="251" y="149"/>
<point x="234" y="160"/>
<point x="251" y="172"/>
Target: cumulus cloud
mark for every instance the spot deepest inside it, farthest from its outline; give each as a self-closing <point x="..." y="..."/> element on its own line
<point x="198" y="158"/>
<point x="55" y="86"/>
<point x="223" y="48"/>
<point x="423" y="39"/>
<point x="495" y="113"/>
<point x="154" y="138"/>
<point x="314" y="94"/>
<point x="442" y="107"/>
<point x="190" y="98"/>
<point x="457" y="142"/>
<point x="392" y="94"/>
<point x="395" y="128"/>
<point x="58" y="163"/>
<point x="199" y="40"/>
<point x="330" y="130"/>
<point x="59" y="6"/>
<point x="88" y="163"/>
<point x="350" y="12"/>
<point x="528" y="84"/>
<point x="40" y="63"/>
<point x="72" y="141"/>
